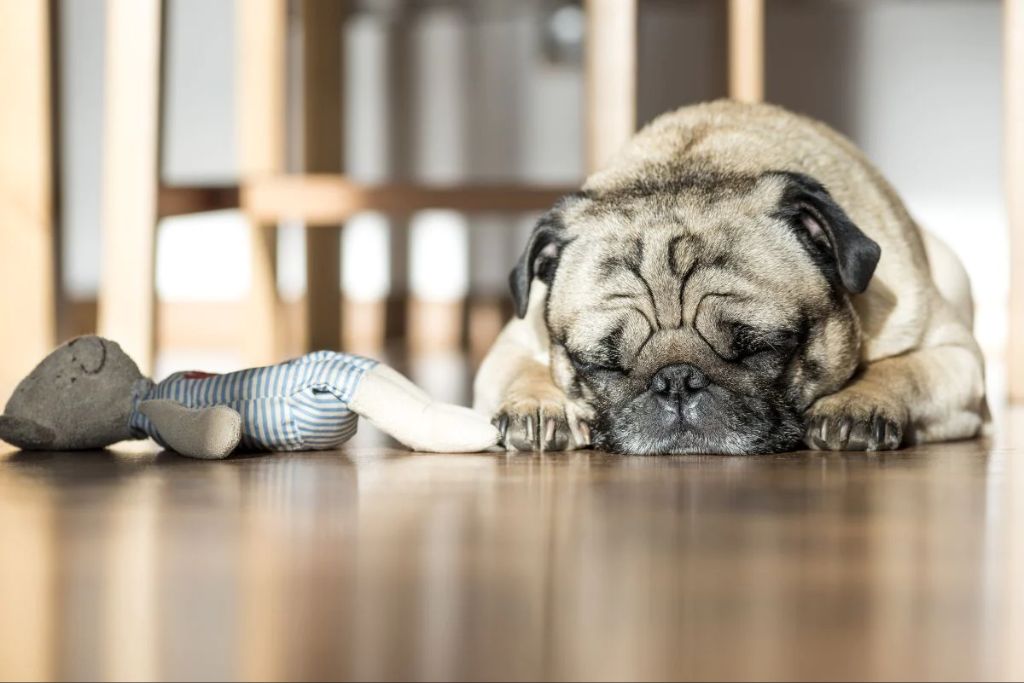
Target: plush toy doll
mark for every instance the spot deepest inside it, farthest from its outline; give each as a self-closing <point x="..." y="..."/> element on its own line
<point x="89" y="394"/>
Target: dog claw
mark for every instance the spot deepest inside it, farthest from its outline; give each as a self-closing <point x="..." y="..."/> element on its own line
<point x="844" y="433"/>
<point x="501" y="422"/>
<point x="854" y="428"/>
<point x="584" y="434"/>
<point x="538" y="428"/>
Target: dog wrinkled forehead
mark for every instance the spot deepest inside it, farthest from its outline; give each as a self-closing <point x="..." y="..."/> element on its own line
<point x="662" y="245"/>
<point x="713" y="209"/>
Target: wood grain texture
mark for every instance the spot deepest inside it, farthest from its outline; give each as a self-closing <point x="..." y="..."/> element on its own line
<point x="610" y="73"/>
<point x="376" y="563"/>
<point x="1013" y="73"/>
<point x="746" y="50"/>
<point x="27" y="255"/>
<point x="262" y="35"/>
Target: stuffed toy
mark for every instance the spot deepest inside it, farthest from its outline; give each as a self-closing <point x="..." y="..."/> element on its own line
<point x="89" y="394"/>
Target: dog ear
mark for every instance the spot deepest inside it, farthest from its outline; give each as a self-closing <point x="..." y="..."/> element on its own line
<point x="540" y="258"/>
<point x="25" y="433"/>
<point x="811" y="210"/>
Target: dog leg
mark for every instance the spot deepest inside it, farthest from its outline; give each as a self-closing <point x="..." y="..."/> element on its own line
<point x="514" y="385"/>
<point x="932" y="394"/>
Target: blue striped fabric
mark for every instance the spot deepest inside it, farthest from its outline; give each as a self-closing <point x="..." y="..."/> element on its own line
<point x="295" y="406"/>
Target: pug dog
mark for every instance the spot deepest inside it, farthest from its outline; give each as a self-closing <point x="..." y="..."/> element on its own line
<point x="739" y="279"/>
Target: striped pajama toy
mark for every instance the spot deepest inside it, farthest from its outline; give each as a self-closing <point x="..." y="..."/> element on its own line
<point x="295" y="406"/>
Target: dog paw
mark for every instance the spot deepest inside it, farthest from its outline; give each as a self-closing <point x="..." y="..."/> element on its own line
<point x="541" y="424"/>
<point x="849" y="421"/>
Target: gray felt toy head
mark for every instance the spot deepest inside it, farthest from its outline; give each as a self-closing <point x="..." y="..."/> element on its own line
<point x="79" y="397"/>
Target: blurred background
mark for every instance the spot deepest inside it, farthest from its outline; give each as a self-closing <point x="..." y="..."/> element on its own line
<point x="161" y="109"/>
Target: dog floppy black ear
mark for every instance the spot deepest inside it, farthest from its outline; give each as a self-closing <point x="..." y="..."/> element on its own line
<point x="809" y="207"/>
<point x="540" y="258"/>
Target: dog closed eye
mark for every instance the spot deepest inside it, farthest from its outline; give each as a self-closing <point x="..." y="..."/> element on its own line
<point x="749" y="341"/>
<point x="593" y="366"/>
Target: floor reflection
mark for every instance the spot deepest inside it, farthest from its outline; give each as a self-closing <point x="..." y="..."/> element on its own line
<point x="376" y="563"/>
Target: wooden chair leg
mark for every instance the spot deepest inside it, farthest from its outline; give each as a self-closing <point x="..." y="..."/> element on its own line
<point x="400" y="132"/>
<point x="27" y="255"/>
<point x="127" y="299"/>
<point x="610" y="72"/>
<point x="262" y="36"/>
<point x="322" y="145"/>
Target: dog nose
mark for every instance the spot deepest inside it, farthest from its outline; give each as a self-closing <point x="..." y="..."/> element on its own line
<point x="679" y="380"/>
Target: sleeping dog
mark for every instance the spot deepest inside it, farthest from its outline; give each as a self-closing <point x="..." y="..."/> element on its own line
<point x="738" y="280"/>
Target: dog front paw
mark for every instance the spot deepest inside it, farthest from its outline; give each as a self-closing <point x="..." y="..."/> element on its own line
<point x="541" y="424"/>
<point x="851" y="421"/>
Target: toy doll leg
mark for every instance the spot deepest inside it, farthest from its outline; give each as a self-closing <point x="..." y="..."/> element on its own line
<point x="400" y="408"/>
<point x="207" y="433"/>
<point x="401" y="383"/>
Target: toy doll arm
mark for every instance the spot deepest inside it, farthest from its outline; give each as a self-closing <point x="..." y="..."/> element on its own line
<point x="400" y="408"/>
<point x="207" y="433"/>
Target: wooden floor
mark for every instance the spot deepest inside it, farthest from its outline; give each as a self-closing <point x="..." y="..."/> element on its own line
<point x="378" y="563"/>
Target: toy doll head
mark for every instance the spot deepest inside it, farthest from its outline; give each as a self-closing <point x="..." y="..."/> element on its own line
<point x="79" y="397"/>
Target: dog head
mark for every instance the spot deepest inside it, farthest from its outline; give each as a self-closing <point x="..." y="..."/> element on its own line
<point x="704" y="314"/>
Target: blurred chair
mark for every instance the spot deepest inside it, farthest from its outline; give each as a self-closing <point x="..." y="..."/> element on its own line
<point x="322" y="196"/>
